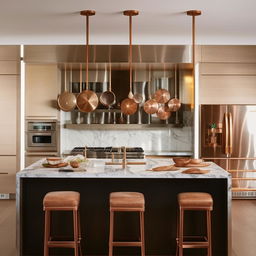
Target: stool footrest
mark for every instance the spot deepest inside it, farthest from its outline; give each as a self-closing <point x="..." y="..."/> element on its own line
<point x="119" y="243"/>
<point x="64" y="244"/>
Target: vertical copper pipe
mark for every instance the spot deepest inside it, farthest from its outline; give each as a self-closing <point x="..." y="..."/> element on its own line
<point x="87" y="51"/>
<point x="193" y="13"/>
<point x="130" y="50"/>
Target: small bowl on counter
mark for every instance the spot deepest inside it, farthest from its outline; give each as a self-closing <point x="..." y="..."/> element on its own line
<point x="181" y="161"/>
<point x="54" y="160"/>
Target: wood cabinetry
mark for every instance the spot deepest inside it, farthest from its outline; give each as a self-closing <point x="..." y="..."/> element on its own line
<point x="227" y="75"/>
<point x="42" y="88"/>
<point x="9" y="85"/>
<point x="9" y="115"/>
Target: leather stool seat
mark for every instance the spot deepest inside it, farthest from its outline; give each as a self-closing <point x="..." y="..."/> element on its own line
<point x="127" y="201"/>
<point x="195" y="200"/>
<point x="61" y="199"/>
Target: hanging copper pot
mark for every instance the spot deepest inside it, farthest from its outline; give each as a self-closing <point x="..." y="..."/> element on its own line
<point x="151" y="105"/>
<point x="174" y="104"/>
<point x="128" y="105"/>
<point x="87" y="100"/>
<point x="162" y="96"/>
<point x="66" y="100"/>
<point x="108" y="98"/>
<point x="163" y="113"/>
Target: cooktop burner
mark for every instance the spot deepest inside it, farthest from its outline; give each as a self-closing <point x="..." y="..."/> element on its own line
<point x="107" y="152"/>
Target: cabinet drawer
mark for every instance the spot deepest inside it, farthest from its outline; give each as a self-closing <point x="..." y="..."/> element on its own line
<point x="8" y="165"/>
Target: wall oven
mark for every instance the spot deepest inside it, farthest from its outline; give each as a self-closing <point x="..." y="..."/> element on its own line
<point x="41" y="136"/>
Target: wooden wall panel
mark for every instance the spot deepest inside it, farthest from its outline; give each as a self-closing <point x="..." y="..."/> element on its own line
<point x="227" y="90"/>
<point x="229" y="53"/>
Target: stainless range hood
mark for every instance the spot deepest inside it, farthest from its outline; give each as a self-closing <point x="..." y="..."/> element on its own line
<point x="107" y="53"/>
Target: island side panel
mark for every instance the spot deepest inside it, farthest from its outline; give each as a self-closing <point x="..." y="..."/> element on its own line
<point x="160" y="215"/>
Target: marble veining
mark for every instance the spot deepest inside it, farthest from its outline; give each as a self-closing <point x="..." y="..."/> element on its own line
<point x="97" y="168"/>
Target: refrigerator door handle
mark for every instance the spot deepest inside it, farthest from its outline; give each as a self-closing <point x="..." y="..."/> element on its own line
<point x="226" y="134"/>
<point x="230" y="133"/>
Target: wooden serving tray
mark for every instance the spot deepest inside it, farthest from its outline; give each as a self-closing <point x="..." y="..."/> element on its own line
<point x="195" y="171"/>
<point x="195" y="165"/>
<point x="164" y="168"/>
<point x="46" y="165"/>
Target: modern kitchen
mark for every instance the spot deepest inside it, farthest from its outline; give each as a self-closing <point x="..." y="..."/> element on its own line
<point x="127" y="129"/>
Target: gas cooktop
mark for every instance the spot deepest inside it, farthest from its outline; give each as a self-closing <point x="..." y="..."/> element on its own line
<point x="107" y="152"/>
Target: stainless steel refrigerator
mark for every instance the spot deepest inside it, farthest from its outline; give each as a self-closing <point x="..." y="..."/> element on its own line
<point x="228" y="137"/>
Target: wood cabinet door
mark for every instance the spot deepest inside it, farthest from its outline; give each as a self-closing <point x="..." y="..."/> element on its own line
<point x="8" y="169"/>
<point x="9" y="85"/>
<point x="42" y="89"/>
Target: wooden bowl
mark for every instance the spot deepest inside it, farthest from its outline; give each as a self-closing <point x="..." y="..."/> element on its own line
<point x="196" y="161"/>
<point x="181" y="161"/>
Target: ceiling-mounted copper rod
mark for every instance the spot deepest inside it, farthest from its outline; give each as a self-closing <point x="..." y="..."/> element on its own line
<point x="193" y="13"/>
<point x="87" y="52"/>
<point x="87" y="13"/>
<point x="130" y="50"/>
<point x="130" y="13"/>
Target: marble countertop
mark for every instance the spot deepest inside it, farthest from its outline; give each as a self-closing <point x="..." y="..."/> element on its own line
<point x="96" y="168"/>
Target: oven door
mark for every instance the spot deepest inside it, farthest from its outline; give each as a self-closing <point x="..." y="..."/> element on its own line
<point x="41" y="141"/>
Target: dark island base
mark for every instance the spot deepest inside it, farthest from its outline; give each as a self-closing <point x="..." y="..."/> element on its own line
<point x="160" y="215"/>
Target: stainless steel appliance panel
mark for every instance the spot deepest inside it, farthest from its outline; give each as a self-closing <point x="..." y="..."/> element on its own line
<point x="243" y="131"/>
<point x="41" y="136"/>
<point x="213" y="139"/>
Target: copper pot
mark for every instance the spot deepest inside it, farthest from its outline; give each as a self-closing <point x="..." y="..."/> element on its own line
<point x="128" y="106"/>
<point x="162" y="113"/>
<point x="150" y="106"/>
<point x="174" y="104"/>
<point x="108" y="98"/>
<point x="66" y="100"/>
<point x="162" y="96"/>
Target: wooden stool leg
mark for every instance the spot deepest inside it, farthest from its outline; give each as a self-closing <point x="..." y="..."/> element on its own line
<point x="79" y="234"/>
<point x="111" y="234"/>
<point x="181" y="223"/>
<point x="209" y="233"/>
<point x="142" y="234"/>
<point x="177" y="234"/>
<point x="47" y="225"/>
<point x="75" y="224"/>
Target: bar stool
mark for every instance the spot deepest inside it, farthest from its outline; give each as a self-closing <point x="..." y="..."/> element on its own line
<point x="194" y="201"/>
<point x="126" y="202"/>
<point x="62" y="201"/>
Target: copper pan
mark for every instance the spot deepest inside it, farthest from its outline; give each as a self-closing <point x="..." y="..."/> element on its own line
<point x="162" y="113"/>
<point x="128" y="106"/>
<point x="66" y="100"/>
<point x="87" y="100"/>
<point x="108" y="98"/>
<point x="162" y="96"/>
<point x="151" y="105"/>
<point x="174" y="104"/>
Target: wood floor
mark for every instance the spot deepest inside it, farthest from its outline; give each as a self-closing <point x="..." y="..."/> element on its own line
<point x="243" y="227"/>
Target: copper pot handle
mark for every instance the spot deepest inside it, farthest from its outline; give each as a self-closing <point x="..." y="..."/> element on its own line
<point x="230" y="132"/>
<point x="226" y="146"/>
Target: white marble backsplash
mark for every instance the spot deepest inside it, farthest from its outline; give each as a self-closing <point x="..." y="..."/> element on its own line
<point x="173" y="139"/>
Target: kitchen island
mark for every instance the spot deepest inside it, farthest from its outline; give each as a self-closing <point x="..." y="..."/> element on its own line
<point x="159" y="188"/>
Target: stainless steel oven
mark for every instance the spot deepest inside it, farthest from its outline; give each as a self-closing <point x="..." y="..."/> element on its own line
<point x="41" y="136"/>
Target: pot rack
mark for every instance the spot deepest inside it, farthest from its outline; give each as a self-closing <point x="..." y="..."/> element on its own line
<point x="130" y="13"/>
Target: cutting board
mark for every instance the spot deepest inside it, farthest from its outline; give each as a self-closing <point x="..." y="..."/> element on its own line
<point x="195" y="165"/>
<point x="164" y="168"/>
<point x="46" y="165"/>
<point x="195" y="171"/>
